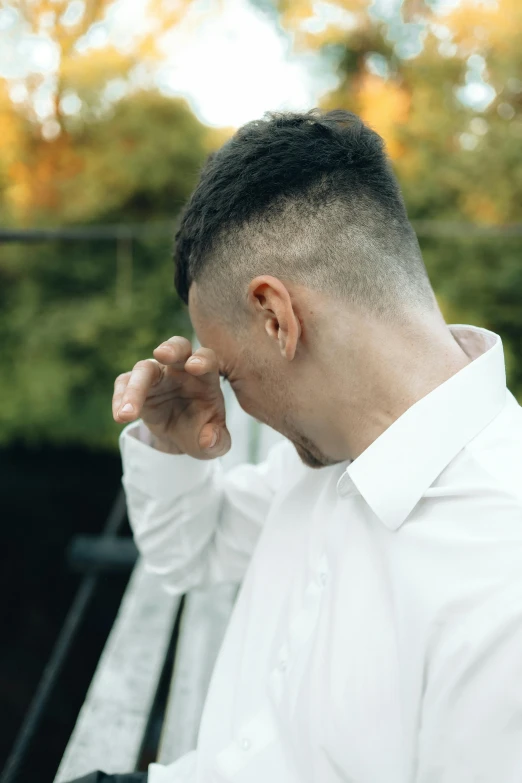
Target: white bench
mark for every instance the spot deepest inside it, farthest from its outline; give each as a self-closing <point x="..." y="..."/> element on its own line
<point x="113" y="721"/>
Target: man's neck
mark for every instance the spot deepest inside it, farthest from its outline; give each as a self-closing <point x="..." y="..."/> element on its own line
<point x="396" y="369"/>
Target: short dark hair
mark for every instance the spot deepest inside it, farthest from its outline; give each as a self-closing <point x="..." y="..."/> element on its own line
<point x="309" y="197"/>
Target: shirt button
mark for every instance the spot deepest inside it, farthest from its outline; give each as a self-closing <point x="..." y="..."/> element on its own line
<point x="282" y="665"/>
<point x="323" y="578"/>
<point x="245" y="743"/>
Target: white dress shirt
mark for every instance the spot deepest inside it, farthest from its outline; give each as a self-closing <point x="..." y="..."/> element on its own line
<point x="377" y="636"/>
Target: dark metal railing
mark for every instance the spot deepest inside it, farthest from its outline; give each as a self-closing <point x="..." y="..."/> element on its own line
<point x="100" y="232"/>
<point x="60" y="651"/>
<point x="130" y="231"/>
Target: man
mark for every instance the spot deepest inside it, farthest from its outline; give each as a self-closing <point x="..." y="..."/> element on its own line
<point x="377" y="637"/>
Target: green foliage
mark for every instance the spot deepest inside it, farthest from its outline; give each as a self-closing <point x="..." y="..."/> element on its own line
<point x="75" y="314"/>
<point x="479" y="281"/>
<point x="67" y="334"/>
<point x="139" y="162"/>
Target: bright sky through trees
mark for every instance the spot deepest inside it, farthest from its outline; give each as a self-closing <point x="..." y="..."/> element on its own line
<point x="236" y="65"/>
<point x="231" y="60"/>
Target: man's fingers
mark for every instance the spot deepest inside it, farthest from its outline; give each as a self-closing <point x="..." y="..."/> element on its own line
<point x="174" y="352"/>
<point x="214" y="439"/>
<point x="120" y="384"/>
<point x="144" y="375"/>
<point x="204" y="364"/>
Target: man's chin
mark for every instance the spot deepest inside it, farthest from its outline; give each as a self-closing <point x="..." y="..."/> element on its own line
<point x="311" y="460"/>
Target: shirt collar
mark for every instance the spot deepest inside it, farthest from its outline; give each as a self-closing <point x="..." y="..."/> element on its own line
<point x="393" y="473"/>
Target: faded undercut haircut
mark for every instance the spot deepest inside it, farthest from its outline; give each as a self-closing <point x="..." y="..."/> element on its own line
<point x="309" y="198"/>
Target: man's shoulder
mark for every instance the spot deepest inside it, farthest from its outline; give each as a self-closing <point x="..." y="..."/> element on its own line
<point x="464" y="544"/>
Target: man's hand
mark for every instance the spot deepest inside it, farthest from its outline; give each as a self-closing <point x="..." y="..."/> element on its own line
<point x="178" y="396"/>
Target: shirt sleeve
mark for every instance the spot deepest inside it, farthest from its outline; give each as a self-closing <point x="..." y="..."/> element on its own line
<point x="471" y="725"/>
<point x="194" y="523"/>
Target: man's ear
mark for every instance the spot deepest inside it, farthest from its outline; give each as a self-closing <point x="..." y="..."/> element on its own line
<point x="271" y="300"/>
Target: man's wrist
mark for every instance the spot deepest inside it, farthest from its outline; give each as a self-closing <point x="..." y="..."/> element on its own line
<point x="163" y="445"/>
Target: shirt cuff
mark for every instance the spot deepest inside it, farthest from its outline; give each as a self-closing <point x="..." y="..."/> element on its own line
<point x="155" y="472"/>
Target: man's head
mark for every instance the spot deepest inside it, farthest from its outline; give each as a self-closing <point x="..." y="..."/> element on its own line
<point x="296" y="223"/>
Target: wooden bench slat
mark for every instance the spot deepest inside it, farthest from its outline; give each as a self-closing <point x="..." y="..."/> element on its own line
<point x="111" y="725"/>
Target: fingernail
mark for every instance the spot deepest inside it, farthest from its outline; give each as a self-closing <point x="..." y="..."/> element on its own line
<point x="214" y="439"/>
<point x="127" y="408"/>
<point x="195" y="360"/>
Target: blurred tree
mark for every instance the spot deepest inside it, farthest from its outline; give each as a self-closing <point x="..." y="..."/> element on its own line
<point x="95" y="79"/>
<point x="444" y="90"/>
<point x="75" y="314"/>
<point x="111" y="148"/>
<point x="138" y="160"/>
<point x="86" y="60"/>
